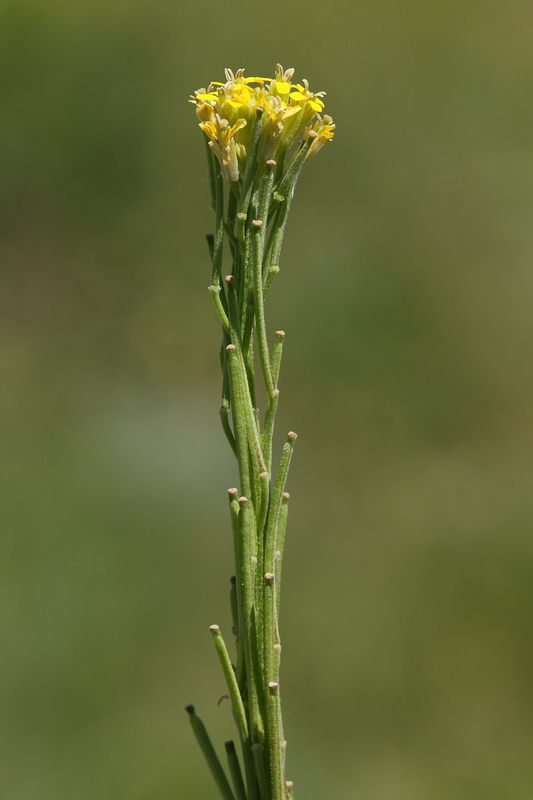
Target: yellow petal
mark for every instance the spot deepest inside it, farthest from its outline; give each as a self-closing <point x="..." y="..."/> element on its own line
<point x="205" y="112"/>
<point x="241" y="123"/>
<point x="298" y="96"/>
<point x="207" y="96"/>
<point x="210" y="130"/>
<point x="290" y="110"/>
<point x="245" y="93"/>
<point x="316" y="105"/>
<point x="283" y="87"/>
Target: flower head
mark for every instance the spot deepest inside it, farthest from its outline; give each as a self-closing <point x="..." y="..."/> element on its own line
<point x="228" y="113"/>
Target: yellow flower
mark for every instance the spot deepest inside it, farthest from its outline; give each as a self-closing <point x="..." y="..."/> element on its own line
<point x="227" y="114"/>
<point x="221" y="137"/>
<point x="320" y="132"/>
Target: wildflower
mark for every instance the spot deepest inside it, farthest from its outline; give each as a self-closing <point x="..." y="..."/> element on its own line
<point x="221" y="137"/>
<point x="228" y="113"/>
<point x="320" y="132"/>
<point x="261" y="131"/>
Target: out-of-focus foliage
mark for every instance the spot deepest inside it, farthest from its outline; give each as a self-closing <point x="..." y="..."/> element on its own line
<point x="406" y="293"/>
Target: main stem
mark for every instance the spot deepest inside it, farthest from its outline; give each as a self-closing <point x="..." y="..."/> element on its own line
<point x="250" y="217"/>
<point x="257" y="622"/>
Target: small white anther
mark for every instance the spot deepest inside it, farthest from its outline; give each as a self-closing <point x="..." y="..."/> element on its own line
<point x="257" y="223"/>
<point x="214" y="628"/>
<point x="230" y="348"/>
<point x="273" y="686"/>
<point x="271" y="162"/>
<point x="229" y="278"/>
<point x="285" y="496"/>
<point x="281" y="334"/>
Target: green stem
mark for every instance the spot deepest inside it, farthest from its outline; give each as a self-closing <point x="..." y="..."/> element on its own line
<point x="235" y="771"/>
<point x="211" y="172"/>
<point x="253" y="221"/>
<point x="245" y="360"/>
<point x="237" y="589"/>
<point x="218" y="243"/>
<point x="279" y="545"/>
<point x="231" y="680"/>
<point x="275" y="502"/>
<point x="229" y="224"/>
<point x="240" y="421"/>
<point x="272" y="401"/>
<point x="224" y="412"/>
<point x="259" y="761"/>
<point x="210" y="755"/>
<point x="284" y="195"/>
<point x="272" y="646"/>
<point x="214" y="291"/>
<point x="259" y="233"/>
<point x="248" y="547"/>
<point x="276" y="744"/>
<point x="244" y="235"/>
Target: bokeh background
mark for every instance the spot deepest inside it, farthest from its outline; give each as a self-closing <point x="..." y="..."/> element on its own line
<point x="406" y="293"/>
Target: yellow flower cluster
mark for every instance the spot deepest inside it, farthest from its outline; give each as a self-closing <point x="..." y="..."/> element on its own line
<point x="228" y="113"/>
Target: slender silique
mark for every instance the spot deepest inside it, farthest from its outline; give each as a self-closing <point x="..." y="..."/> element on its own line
<point x="259" y="134"/>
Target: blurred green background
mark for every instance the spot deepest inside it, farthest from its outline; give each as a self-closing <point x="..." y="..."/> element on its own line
<point x="406" y="292"/>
